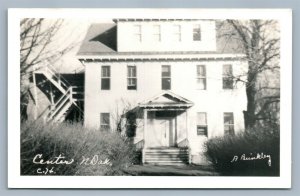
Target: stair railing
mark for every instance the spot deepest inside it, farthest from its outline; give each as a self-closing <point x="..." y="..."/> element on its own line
<point x="67" y="96"/>
<point x="57" y="77"/>
<point x="60" y="103"/>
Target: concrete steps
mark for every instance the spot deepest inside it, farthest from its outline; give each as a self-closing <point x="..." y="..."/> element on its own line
<point x="166" y="156"/>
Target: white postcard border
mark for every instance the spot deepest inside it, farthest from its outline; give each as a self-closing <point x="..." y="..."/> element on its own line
<point x="15" y="180"/>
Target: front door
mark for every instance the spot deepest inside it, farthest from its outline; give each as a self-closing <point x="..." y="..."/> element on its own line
<point x="167" y="132"/>
<point x="162" y="131"/>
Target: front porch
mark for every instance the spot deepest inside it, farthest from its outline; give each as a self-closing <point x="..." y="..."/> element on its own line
<point x="165" y="130"/>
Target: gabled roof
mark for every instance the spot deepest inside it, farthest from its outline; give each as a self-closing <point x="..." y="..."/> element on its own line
<point x="101" y="39"/>
<point x="166" y="99"/>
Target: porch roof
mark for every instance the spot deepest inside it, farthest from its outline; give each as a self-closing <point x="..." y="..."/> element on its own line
<point x="166" y="100"/>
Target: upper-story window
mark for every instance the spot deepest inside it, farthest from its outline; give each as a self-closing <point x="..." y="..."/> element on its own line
<point x="196" y="32"/>
<point x="157" y="33"/>
<point x="201" y="77"/>
<point x="228" y="123"/>
<point x="131" y="78"/>
<point x="137" y="31"/>
<point x="105" y="77"/>
<point x="227" y="77"/>
<point x="177" y="32"/>
<point x="165" y="77"/>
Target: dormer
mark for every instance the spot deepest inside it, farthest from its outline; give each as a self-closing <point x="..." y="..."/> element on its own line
<point x="165" y="35"/>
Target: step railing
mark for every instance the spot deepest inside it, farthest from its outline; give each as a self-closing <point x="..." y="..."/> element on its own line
<point x="186" y="144"/>
<point x="140" y="144"/>
<point x="183" y="143"/>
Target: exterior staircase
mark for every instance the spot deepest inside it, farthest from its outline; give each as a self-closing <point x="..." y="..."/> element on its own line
<point x="69" y="95"/>
<point x="166" y="156"/>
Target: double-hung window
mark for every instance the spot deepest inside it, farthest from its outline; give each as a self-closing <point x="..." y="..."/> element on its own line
<point x="196" y="32"/>
<point x="227" y="77"/>
<point x="105" y="77"/>
<point x="165" y="77"/>
<point x="104" y="121"/>
<point x="131" y="78"/>
<point x="228" y="123"/>
<point x="177" y="32"/>
<point x="201" y="123"/>
<point x="157" y="33"/>
<point x="137" y="32"/>
<point x="201" y="77"/>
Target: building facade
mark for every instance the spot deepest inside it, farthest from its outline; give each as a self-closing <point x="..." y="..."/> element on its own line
<point x="173" y="75"/>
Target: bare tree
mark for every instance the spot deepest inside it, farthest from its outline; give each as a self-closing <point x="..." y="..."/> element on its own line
<point x="36" y="36"/>
<point x="126" y="117"/>
<point x="259" y="40"/>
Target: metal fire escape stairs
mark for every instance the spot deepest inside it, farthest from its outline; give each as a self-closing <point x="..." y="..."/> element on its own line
<point x="63" y="106"/>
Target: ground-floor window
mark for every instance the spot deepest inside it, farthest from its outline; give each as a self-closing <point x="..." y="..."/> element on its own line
<point x="228" y="123"/>
<point x="202" y="123"/>
<point x="104" y="121"/>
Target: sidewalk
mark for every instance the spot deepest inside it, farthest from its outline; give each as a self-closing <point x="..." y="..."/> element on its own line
<point x="188" y="170"/>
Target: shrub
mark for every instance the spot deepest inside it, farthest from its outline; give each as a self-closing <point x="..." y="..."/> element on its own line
<point x="227" y="153"/>
<point x="73" y="141"/>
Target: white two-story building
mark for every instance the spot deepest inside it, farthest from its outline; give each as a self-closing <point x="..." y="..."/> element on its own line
<point x="176" y="76"/>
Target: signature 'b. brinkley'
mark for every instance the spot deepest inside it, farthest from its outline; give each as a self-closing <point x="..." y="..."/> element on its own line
<point x="251" y="157"/>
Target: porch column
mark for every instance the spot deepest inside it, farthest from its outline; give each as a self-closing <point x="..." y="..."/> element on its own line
<point x="144" y="135"/>
<point x="187" y="124"/>
<point x="145" y="127"/>
<point x="187" y="135"/>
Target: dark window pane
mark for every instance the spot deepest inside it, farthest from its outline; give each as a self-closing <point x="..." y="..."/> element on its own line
<point x="105" y="83"/>
<point x="228" y="118"/>
<point x="104" y="118"/>
<point x="196" y="33"/>
<point x="197" y="37"/>
<point x="165" y="114"/>
<point x="227" y="83"/>
<point x="131" y="84"/>
<point x="132" y="80"/>
<point x="201" y="123"/>
<point x="202" y="130"/>
<point x="166" y="83"/>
